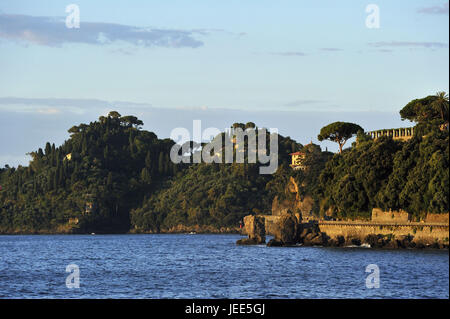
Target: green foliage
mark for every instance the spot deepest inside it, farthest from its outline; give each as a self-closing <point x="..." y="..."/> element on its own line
<point x="112" y="176"/>
<point x="432" y="107"/>
<point x="412" y="176"/>
<point x="215" y="194"/>
<point x="110" y="167"/>
<point x="339" y="132"/>
<point x="108" y="162"/>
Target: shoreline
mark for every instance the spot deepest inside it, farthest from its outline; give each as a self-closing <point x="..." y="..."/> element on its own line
<point x="362" y="246"/>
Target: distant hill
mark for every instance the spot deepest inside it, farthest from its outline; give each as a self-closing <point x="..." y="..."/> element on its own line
<point x="111" y="176"/>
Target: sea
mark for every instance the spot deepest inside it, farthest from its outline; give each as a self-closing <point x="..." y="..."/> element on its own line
<point x="211" y="266"/>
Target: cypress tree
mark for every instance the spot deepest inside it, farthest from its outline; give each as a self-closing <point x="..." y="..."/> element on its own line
<point x="48" y="149"/>
<point x="161" y="163"/>
<point x="84" y="146"/>
<point x="148" y="160"/>
<point x="145" y="176"/>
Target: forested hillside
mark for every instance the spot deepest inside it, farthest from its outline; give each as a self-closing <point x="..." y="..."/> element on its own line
<point x="110" y="165"/>
<point x="111" y="176"/>
<point x="411" y="175"/>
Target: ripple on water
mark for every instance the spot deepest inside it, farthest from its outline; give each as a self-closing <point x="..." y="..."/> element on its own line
<point x="210" y="266"/>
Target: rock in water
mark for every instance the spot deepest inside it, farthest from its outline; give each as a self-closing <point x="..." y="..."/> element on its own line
<point x="286" y="230"/>
<point x="255" y="228"/>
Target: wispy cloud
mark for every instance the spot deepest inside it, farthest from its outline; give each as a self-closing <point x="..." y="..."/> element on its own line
<point x="290" y="53"/>
<point x="331" y="49"/>
<point x="49" y="111"/>
<point x="52" y="31"/>
<point x="301" y="102"/>
<point x="406" y="44"/>
<point x="385" y="50"/>
<point x="443" y="9"/>
<point x="53" y="106"/>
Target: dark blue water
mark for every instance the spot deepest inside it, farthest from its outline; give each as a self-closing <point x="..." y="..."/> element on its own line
<point x="210" y="266"/>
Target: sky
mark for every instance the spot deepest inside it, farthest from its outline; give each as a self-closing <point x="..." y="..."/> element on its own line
<point x="291" y="65"/>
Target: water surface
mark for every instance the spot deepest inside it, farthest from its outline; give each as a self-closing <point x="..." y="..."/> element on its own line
<point x="210" y="266"/>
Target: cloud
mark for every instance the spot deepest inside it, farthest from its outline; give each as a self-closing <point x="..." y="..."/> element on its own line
<point x="192" y="108"/>
<point x="429" y="45"/>
<point x="331" y="49"/>
<point x="434" y="9"/>
<point x="49" y="111"/>
<point x="301" y="103"/>
<point x="52" y="31"/>
<point x="53" y="106"/>
<point x="289" y="53"/>
<point x="385" y="50"/>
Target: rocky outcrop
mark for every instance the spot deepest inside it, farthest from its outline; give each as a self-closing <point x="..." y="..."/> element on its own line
<point x="286" y="230"/>
<point x="255" y="229"/>
<point x="293" y="202"/>
<point x="404" y="241"/>
<point x="290" y="231"/>
<point x="284" y="206"/>
<point x="311" y="235"/>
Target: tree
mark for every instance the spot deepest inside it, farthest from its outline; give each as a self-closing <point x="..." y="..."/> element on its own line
<point x="339" y="132"/>
<point x="74" y="129"/>
<point x="441" y="105"/>
<point x="148" y="160"/>
<point x="250" y="125"/>
<point x="109" y="179"/>
<point x="161" y="163"/>
<point x="114" y="114"/>
<point x="421" y="110"/>
<point x="130" y="120"/>
<point x="145" y="176"/>
<point x="48" y="149"/>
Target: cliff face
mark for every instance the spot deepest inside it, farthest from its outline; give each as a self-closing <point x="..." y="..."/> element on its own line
<point x="293" y="203"/>
<point x="255" y="229"/>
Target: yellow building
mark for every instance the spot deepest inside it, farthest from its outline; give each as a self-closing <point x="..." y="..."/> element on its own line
<point x="298" y="159"/>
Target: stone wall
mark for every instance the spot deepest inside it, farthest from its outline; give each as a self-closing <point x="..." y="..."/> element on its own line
<point x="387" y="234"/>
<point x="425" y="234"/>
<point x="437" y="218"/>
<point x="390" y="217"/>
